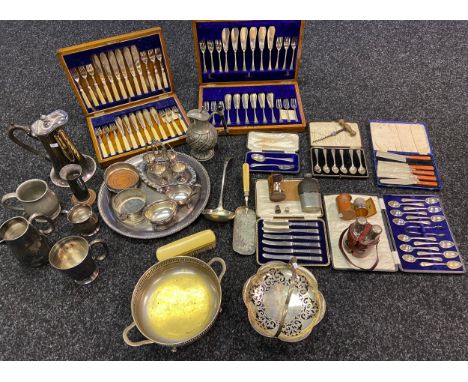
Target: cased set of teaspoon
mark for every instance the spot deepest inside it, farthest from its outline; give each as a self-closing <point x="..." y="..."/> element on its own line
<point x="250" y="68"/>
<point x="129" y="77"/>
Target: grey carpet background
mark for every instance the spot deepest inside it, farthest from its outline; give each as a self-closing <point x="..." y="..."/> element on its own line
<point x="354" y="70"/>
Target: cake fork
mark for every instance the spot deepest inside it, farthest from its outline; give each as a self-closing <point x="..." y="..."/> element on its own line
<point x="293" y="47"/>
<point x="90" y="70"/>
<point x="286" y="108"/>
<point x="163" y="71"/>
<point x="144" y="60"/>
<point x="293" y="102"/>
<point x="99" y="134"/>
<point x="279" y="106"/>
<point x="76" y="78"/>
<point x="84" y="75"/>
<point x="152" y="57"/>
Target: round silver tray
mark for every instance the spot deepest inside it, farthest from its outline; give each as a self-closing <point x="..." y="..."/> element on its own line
<point x="143" y="230"/>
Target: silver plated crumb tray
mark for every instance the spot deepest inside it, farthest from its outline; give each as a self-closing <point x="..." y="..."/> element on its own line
<point x="143" y="230"/>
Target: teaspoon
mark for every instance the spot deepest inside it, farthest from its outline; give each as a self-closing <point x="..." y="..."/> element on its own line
<point x="435" y="218"/>
<point x="430" y="200"/>
<point x="334" y="169"/>
<point x="317" y="168"/>
<point x="443" y="244"/>
<point x="261" y="158"/>
<point x="361" y="169"/>
<point x="399" y="221"/>
<point x="343" y="168"/>
<point x="352" y="169"/>
<point x="448" y="264"/>
<point x="395" y="204"/>
<point x="446" y="254"/>
<point x="400" y="213"/>
<point x="409" y="248"/>
<point x="412" y="259"/>
<point x="431" y="209"/>
<point x="407" y="238"/>
<point x="326" y="169"/>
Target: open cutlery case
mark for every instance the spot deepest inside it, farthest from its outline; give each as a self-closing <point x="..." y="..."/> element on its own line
<point x="290" y="232"/>
<point x="273" y="152"/>
<point x="257" y="96"/>
<point x="124" y="86"/>
<point x="403" y="156"/>
<point x="336" y="153"/>
<point x="435" y="252"/>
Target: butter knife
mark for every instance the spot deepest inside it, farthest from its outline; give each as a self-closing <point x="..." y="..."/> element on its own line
<point x="292" y="251"/>
<point x="115" y="69"/>
<point x="261" y="43"/>
<point x="108" y="71"/>
<point x="225" y="40"/>
<point x="290" y="237"/>
<point x="253" y="41"/>
<point x="235" y="42"/>
<point x="101" y="75"/>
<point x="290" y="244"/>
<point x="123" y="70"/>
<point x="287" y="257"/>
<point x="270" y="40"/>
<point x="136" y="61"/>
<point x="131" y="68"/>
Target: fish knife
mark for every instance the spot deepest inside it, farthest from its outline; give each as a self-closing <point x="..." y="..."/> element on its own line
<point x="292" y="250"/>
<point x="287" y="257"/>
<point x="290" y="237"/>
<point x="290" y="244"/>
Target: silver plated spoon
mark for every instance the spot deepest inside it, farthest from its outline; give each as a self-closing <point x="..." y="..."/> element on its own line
<point x="400" y="213"/>
<point x="343" y="168"/>
<point x="412" y="259"/>
<point x="448" y="264"/>
<point x="430" y="200"/>
<point x="395" y="204"/>
<point x="325" y="167"/>
<point x="317" y="167"/>
<point x="334" y="168"/>
<point x="262" y="158"/>
<point x="446" y="254"/>
<point x="399" y="221"/>
<point x="434" y="218"/>
<point x="410" y="248"/>
<point x="352" y="169"/>
<point x="407" y="238"/>
<point x="361" y="170"/>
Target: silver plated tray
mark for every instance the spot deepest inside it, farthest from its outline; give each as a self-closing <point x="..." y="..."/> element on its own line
<point x="143" y="230"/>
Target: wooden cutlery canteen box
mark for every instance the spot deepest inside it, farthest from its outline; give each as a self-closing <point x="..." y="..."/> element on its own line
<point x="251" y="69"/>
<point x="124" y="86"/>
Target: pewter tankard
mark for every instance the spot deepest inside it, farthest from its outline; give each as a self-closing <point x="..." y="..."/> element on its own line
<point x="28" y="243"/>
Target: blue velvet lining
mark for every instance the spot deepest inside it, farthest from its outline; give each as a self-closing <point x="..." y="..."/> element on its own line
<point x="445" y="230"/>
<point x="157" y="104"/>
<point x="323" y="243"/>
<point x="273" y="164"/>
<point x="212" y="31"/>
<point x="73" y="60"/>
<point x="279" y="90"/>
<point x="434" y="163"/>
<point x="347" y="162"/>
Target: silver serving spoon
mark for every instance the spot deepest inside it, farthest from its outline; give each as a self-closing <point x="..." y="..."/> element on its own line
<point x="399" y="221"/>
<point x="227" y="105"/>
<point x="261" y="102"/>
<point x="434" y="218"/>
<point x="261" y="158"/>
<point x="245" y="105"/>
<point x="244" y="32"/>
<point x="400" y="213"/>
<point x="430" y="200"/>
<point x="361" y="168"/>
<point x="334" y="169"/>
<point x="343" y="168"/>
<point x="237" y="101"/>
<point x="448" y="264"/>
<point x="235" y="42"/>
<point x="271" y="105"/>
<point x="317" y="168"/>
<point x="407" y="238"/>
<point x="352" y="169"/>
<point x="446" y="254"/>
<point x="262" y="31"/>
<point x="410" y="248"/>
<point x="219" y="214"/>
<point x="395" y="204"/>
<point x="253" y="103"/>
<point x="325" y="167"/>
<point x="412" y="259"/>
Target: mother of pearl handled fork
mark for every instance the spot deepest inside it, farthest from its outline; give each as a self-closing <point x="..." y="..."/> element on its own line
<point x="245" y="105"/>
<point x="270" y="39"/>
<point x="271" y="104"/>
<point x="227" y="105"/>
<point x="253" y="41"/>
<point x="225" y="39"/>
<point x="235" y="42"/>
<point x="236" y="99"/>
<point x="253" y="103"/>
<point x="262" y="31"/>
<point x="244" y="32"/>
<point x="261" y="102"/>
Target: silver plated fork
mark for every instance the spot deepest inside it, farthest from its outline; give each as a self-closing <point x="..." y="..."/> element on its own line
<point x="279" y="45"/>
<point x="219" y="48"/>
<point x="287" y="43"/>
<point x="203" y="50"/>
<point x="210" y="46"/>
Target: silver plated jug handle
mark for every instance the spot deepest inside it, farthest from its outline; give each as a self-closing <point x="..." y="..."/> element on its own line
<point x="223" y="266"/>
<point x="103" y="255"/>
<point x="129" y="342"/>
<point x="27" y="131"/>
<point x="6" y="204"/>
<point x="49" y="221"/>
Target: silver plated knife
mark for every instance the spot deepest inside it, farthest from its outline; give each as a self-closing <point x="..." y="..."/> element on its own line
<point x="291" y="237"/>
<point x="287" y="257"/>
<point x="291" y="244"/>
<point x="292" y="250"/>
<point x="287" y="230"/>
<point x="289" y="223"/>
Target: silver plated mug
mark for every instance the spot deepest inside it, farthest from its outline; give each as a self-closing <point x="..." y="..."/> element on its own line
<point x="28" y="243"/>
<point x="34" y="197"/>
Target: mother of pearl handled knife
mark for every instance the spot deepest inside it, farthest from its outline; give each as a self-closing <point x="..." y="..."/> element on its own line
<point x="136" y="61"/>
<point x="115" y="69"/>
<point x="262" y="31"/>
<point x="290" y="237"/>
<point x="292" y="250"/>
<point x="123" y="69"/>
<point x="100" y="73"/>
<point x="290" y="244"/>
<point x="253" y="41"/>
<point x="225" y="40"/>
<point x="131" y="68"/>
<point x="287" y="257"/>
<point x="244" y="32"/>
<point x="108" y="71"/>
<point x="270" y="40"/>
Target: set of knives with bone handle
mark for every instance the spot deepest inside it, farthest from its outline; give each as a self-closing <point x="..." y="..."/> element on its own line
<point x="120" y="74"/>
<point x="282" y="239"/>
<point x="235" y="39"/>
<point x="139" y="129"/>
